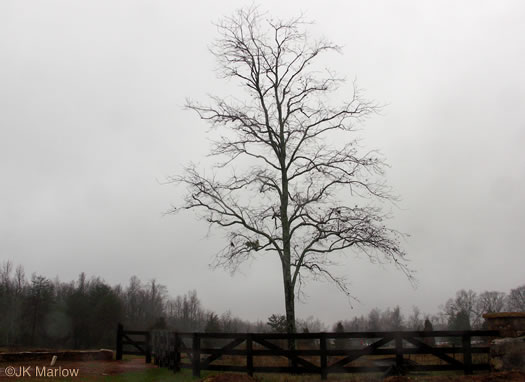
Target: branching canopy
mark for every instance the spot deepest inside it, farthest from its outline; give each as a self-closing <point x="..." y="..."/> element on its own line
<point x="291" y="178"/>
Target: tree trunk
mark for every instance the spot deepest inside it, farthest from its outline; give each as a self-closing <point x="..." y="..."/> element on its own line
<point x="289" y="293"/>
<point x="289" y="299"/>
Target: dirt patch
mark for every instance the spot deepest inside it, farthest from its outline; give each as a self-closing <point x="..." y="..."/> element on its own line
<point x="493" y="377"/>
<point x="229" y="377"/>
<point x="508" y="376"/>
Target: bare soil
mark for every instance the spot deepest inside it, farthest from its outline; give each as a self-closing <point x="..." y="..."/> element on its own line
<point x="105" y="368"/>
<point x="229" y="377"/>
<point x="493" y="377"/>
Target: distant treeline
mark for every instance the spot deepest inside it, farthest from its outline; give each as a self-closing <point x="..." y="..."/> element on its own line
<point x="463" y="312"/>
<point x="84" y="313"/>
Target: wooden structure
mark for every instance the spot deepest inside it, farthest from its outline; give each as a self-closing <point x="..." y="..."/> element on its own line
<point x="509" y="324"/>
<point x="134" y="342"/>
<point x="193" y="350"/>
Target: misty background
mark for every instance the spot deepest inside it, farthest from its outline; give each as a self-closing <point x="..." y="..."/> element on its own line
<point x="91" y="124"/>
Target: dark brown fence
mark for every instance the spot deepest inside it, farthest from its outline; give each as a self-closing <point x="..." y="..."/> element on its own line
<point x="323" y="353"/>
<point x="133" y="342"/>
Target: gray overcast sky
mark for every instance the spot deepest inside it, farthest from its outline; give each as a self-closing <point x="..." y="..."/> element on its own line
<point x="91" y="119"/>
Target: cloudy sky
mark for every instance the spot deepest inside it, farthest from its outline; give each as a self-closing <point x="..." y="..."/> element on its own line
<point x="91" y="124"/>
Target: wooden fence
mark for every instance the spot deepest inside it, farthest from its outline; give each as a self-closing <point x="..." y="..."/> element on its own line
<point x="133" y="342"/>
<point x="325" y="353"/>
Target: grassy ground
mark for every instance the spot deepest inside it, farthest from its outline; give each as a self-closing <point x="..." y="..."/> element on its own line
<point x="150" y="375"/>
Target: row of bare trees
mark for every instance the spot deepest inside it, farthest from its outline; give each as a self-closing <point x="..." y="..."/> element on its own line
<point x="466" y="309"/>
<point x="84" y="313"/>
<point x="463" y="312"/>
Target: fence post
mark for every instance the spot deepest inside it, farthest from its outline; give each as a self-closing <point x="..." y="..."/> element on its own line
<point x="155" y="347"/>
<point x="120" y="332"/>
<point x="249" y="354"/>
<point x="399" y="352"/>
<point x="292" y="344"/>
<point x="196" y="355"/>
<point x="324" y="363"/>
<point x="467" y="353"/>
<point x="148" y="347"/>
<point x="176" y="366"/>
<point x="160" y="349"/>
<point x="167" y="350"/>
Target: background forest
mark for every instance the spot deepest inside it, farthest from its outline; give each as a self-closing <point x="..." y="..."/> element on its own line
<point x="81" y="314"/>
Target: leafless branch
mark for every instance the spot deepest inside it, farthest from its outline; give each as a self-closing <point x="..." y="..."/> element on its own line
<point x="291" y="192"/>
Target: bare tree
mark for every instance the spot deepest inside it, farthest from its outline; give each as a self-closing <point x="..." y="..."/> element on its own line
<point x="392" y="319"/>
<point x="516" y="299"/>
<point x="461" y="310"/>
<point x="490" y="302"/>
<point x="374" y="320"/>
<point x="301" y="187"/>
<point x="415" y="320"/>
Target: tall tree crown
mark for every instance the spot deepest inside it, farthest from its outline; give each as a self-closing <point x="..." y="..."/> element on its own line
<point x="291" y="177"/>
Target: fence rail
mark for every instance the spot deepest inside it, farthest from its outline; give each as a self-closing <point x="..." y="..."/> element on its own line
<point x="193" y="351"/>
<point x="127" y="339"/>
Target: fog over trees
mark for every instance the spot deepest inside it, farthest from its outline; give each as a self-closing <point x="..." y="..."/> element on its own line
<point x="80" y="314"/>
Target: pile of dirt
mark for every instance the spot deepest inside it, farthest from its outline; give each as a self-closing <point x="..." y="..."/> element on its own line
<point x="229" y="377"/>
